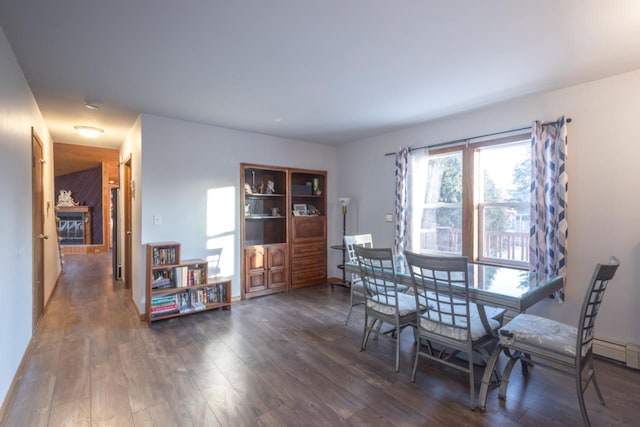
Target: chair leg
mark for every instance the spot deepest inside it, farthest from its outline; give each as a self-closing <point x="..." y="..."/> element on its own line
<point x="367" y="332"/>
<point x="592" y="376"/>
<point x="415" y="362"/>
<point x="486" y="377"/>
<point x="506" y="374"/>
<point x="398" y="350"/>
<point x="580" y="391"/>
<point x="472" y="385"/>
<point x="375" y="338"/>
<point x="346" y="322"/>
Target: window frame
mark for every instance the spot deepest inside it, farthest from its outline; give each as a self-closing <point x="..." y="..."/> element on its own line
<point x="471" y="206"/>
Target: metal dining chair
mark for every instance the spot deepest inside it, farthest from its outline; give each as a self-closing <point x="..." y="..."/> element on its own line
<point x="541" y="341"/>
<point x="357" y="290"/>
<point x="452" y="322"/>
<point x="384" y="303"/>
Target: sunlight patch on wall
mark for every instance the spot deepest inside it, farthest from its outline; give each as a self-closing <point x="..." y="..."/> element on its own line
<point x="221" y="213"/>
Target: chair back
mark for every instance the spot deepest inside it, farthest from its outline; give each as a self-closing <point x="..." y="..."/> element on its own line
<point x="378" y="274"/>
<point x="364" y="240"/>
<point x="595" y="294"/>
<point x="441" y="285"/>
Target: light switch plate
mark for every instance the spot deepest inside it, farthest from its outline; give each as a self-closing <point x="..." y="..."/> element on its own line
<point x="389" y="218"/>
<point x="157" y="220"/>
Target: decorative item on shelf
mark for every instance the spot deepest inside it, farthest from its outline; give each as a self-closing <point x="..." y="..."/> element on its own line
<point x="247" y="209"/>
<point x="313" y="211"/>
<point x="271" y="187"/>
<point x="65" y="199"/>
<point x="247" y="188"/>
<point x="254" y="189"/>
<point x="275" y="211"/>
<point x="316" y="187"/>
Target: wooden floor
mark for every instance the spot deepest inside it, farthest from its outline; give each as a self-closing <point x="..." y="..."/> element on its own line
<point x="284" y="360"/>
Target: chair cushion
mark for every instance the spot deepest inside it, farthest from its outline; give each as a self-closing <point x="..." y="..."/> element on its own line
<point x="458" y="332"/>
<point x="386" y="305"/>
<point x="542" y="333"/>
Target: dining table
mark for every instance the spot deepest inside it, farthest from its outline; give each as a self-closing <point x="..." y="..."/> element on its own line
<point x="490" y="285"/>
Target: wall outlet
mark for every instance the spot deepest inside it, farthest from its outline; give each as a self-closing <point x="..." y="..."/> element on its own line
<point x="389" y="218"/>
<point x="157" y="220"/>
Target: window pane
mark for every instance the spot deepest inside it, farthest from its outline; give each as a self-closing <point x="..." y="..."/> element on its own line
<point x="441" y="216"/>
<point x="505" y="232"/>
<point x="442" y="229"/>
<point x="504" y="180"/>
<point x="506" y="172"/>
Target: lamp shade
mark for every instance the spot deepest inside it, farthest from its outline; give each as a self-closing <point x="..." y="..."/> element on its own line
<point x="344" y="201"/>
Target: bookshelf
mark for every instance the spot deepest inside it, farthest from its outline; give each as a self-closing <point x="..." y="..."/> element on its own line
<point x="177" y="287"/>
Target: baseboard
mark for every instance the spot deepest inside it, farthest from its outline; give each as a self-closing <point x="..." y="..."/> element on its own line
<point x="629" y="354"/>
<point x="4" y="409"/>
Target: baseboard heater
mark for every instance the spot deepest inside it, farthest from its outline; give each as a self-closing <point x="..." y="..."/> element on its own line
<point x="629" y="354"/>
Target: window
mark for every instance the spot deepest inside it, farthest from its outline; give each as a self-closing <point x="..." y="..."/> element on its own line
<point x="474" y="200"/>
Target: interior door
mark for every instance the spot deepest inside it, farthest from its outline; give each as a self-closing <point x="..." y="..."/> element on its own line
<point x="38" y="235"/>
<point x="127" y="223"/>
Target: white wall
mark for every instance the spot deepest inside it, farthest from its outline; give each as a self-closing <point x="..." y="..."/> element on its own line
<point x="18" y="113"/>
<point x="131" y="149"/>
<point x="604" y="177"/>
<point x="190" y="178"/>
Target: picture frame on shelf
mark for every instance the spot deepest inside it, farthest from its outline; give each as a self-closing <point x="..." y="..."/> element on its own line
<point x="299" y="209"/>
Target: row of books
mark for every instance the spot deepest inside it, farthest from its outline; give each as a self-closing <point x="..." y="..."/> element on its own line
<point x="178" y="277"/>
<point x="164" y="256"/>
<point x="164" y="305"/>
<point x="188" y="301"/>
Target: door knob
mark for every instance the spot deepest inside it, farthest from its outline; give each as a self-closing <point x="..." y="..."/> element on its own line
<point x="43" y="236"/>
<point x="128" y="233"/>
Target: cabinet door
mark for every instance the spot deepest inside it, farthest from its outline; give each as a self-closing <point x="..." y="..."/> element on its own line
<point x="277" y="267"/>
<point x="255" y="269"/>
<point x="308" y="228"/>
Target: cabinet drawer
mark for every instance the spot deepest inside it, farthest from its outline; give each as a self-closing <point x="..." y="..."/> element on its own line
<point x="307" y="277"/>
<point x="309" y="249"/>
<point x="311" y="262"/>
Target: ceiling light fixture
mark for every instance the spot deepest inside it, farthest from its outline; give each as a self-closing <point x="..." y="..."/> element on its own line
<point x="92" y="106"/>
<point x="88" y="131"/>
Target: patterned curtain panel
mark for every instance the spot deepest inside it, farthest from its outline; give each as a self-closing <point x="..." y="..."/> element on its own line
<point x="549" y="186"/>
<point x="402" y="236"/>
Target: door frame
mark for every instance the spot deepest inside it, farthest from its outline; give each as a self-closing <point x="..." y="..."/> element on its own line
<point x="127" y="199"/>
<point x="37" y="223"/>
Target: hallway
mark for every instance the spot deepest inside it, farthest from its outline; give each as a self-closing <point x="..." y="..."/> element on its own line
<point x="282" y="360"/>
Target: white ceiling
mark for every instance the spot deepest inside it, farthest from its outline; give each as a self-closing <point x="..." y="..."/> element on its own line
<point x="329" y="71"/>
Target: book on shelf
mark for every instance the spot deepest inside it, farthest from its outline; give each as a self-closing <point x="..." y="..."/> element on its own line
<point x="164" y="308"/>
<point x="163" y="300"/>
<point x="164" y="256"/>
<point x="161" y="282"/>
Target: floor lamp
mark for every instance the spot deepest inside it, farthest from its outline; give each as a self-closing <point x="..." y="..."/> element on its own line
<point x="344" y="202"/>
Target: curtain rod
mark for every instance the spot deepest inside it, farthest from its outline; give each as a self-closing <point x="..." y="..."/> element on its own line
<point x="456" y="141"/>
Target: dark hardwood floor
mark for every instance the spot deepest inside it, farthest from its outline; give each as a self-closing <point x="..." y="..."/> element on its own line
<point x="283" y="360"/>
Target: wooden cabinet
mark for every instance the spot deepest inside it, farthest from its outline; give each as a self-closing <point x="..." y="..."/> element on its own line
<point x="266" y="269"/>
<point x="282" y="251"/>
<point x="176" y="288"/>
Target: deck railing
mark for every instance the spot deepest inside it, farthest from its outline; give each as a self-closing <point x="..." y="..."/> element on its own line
<point x="503" y="245"/>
